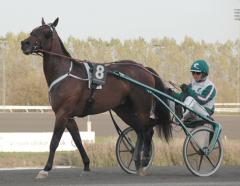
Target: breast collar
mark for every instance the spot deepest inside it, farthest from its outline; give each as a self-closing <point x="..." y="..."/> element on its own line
<point x="68" y="74"/>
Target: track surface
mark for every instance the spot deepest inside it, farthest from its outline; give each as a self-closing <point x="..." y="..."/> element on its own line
<point x="158" y="176"/>
<point x="101" y="123"/>
<point x="36" y="122"/>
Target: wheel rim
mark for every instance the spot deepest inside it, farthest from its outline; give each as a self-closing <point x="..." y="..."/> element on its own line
<point x="197" y="162"/>
<point x="125" y="150"/>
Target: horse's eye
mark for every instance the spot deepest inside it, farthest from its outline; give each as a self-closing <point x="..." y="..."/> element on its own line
<point x="48" y="34"/>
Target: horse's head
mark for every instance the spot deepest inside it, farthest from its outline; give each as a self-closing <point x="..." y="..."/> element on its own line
<point x="40" y="38"/>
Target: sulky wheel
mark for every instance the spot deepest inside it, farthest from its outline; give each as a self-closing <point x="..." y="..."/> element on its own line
<point x="125" y="149"/>
<point x="196" y="160"/>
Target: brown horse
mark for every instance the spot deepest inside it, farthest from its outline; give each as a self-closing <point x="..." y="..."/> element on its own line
<point x="70" y="96"/>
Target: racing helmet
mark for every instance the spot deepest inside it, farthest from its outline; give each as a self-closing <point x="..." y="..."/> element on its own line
<point x="200" y="66"/>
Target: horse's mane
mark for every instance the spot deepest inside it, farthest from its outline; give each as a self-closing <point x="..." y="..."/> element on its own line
<point x="63" y="48"/>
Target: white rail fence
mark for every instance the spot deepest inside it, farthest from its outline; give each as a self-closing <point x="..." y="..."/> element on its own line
<point x="22" y="108"/>
<point x="220" y="108"/>
<point x="227" y="107"/>
<point x="38" y="141"/>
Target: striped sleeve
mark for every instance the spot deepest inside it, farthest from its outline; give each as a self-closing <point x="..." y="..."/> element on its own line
<point x="178" y="96"/>
<point x="208" y="94"/>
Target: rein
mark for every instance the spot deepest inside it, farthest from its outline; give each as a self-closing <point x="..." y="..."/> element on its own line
<point x="176" y="86"/>
<point x="59" y="55"/>
<point x="82" y="61"/>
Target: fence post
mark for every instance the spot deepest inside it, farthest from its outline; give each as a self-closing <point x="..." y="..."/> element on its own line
<point x="89" y="124"/>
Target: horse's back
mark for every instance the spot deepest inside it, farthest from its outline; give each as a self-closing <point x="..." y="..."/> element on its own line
<point x="133" y="69"/>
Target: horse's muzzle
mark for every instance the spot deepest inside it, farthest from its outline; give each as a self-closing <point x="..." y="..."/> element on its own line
<point x="26" y="47"/>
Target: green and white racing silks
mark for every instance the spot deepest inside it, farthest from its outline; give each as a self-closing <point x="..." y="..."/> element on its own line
<point x="204" y="93"/>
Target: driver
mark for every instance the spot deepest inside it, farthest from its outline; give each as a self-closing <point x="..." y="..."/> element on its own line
<point x="200" y="94"/>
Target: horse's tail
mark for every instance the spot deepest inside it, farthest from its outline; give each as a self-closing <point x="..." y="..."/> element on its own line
<point x="162" y="114"/>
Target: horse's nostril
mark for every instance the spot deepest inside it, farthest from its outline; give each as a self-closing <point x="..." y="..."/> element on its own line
<point x="25" y="42"/>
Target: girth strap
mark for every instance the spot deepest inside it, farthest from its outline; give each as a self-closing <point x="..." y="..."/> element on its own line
<point x="89" y="103"/>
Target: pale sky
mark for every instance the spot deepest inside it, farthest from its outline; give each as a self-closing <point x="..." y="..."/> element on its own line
<point x="208" y="20"/>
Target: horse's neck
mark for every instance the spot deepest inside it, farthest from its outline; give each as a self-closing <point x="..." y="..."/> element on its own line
<point x="54" y="66"/>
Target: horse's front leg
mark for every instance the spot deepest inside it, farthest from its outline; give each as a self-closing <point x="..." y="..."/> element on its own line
<point x="59" y="127"/>
<point x="73" y="129"/>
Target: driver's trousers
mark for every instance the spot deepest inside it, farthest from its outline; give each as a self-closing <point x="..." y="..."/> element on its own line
<point x="194" y="105"/>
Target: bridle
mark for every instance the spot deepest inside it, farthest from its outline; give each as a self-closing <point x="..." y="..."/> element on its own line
<point x="37" y="50"/>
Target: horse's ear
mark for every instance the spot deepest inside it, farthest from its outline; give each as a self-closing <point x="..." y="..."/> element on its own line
<point x="55" y="22"/>
<point x="43" y="22"/>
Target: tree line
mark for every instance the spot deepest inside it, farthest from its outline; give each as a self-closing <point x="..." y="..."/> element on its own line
<point x="25" y="82"/>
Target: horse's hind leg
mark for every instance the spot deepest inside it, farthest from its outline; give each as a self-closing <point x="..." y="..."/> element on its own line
<point x="147" y="140"/>
<point x="73" y="129"/>
<point x="137" y="151"/>
<point x="59" y="128"/>
<point x="138" y="121"/>
<point x="142" y="150"/>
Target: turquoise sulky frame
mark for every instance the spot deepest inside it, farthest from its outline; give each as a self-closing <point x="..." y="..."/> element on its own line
<point x="156" y="93"/>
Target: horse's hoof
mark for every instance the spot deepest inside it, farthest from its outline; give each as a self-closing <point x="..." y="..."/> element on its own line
<point x="42" y="174"/>
<point x="141" y="172"/>
<point x="145" y="169"/>
<point x="85" y="173"/>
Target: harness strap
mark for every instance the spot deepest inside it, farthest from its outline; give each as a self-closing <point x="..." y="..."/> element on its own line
<point x="65" y="76"/>
<point x="89" y="102"/>
<point x="57" y="81"/>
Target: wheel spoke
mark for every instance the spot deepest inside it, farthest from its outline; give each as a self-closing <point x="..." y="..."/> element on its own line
<point x="210" y="161"/>
<point x="192" y="154"/>
<point x="127" y="144"/>
<point x="127" y="150"/>
<point x="130" y="162"/>
<point x="200" y="162"/>
<point x="127" y="140"/>
<point x="194" y="146"/>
